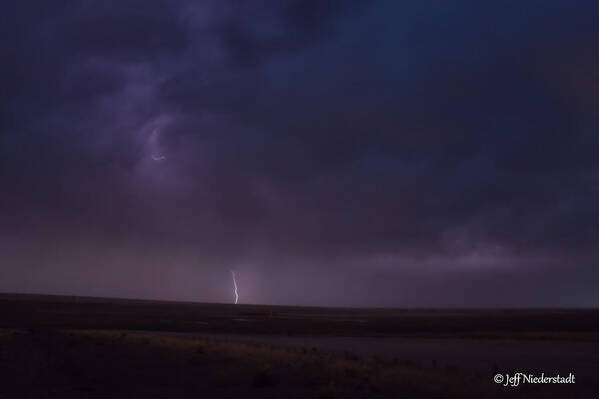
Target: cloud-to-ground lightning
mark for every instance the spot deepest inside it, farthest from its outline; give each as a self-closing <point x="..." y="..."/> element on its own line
<point x="235" y="286"/>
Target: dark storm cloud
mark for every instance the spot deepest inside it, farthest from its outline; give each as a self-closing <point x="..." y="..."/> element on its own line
<point x="389" y="142"/>
<point x="131" y="30"/>
<point x="295" y="25"/>
<point x="421" y="151"/>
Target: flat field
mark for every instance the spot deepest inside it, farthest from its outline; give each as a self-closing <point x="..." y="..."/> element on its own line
<point x="79" y="347"/>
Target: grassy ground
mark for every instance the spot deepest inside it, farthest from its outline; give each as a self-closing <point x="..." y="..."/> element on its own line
<point x="113" y="364"/>
<point x="65" y="347"/>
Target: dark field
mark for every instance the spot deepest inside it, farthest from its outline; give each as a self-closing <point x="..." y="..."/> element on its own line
<point x="66" y="347"/>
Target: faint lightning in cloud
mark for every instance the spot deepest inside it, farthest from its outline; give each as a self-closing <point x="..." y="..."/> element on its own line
<point x="235" y="286"/>
<point x="152" y="143"/>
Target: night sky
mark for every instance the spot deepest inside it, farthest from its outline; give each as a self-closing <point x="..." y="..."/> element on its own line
<point x="354" y="153"/>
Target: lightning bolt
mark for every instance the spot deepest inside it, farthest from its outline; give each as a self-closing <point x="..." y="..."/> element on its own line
<point x="235" y="287"/>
